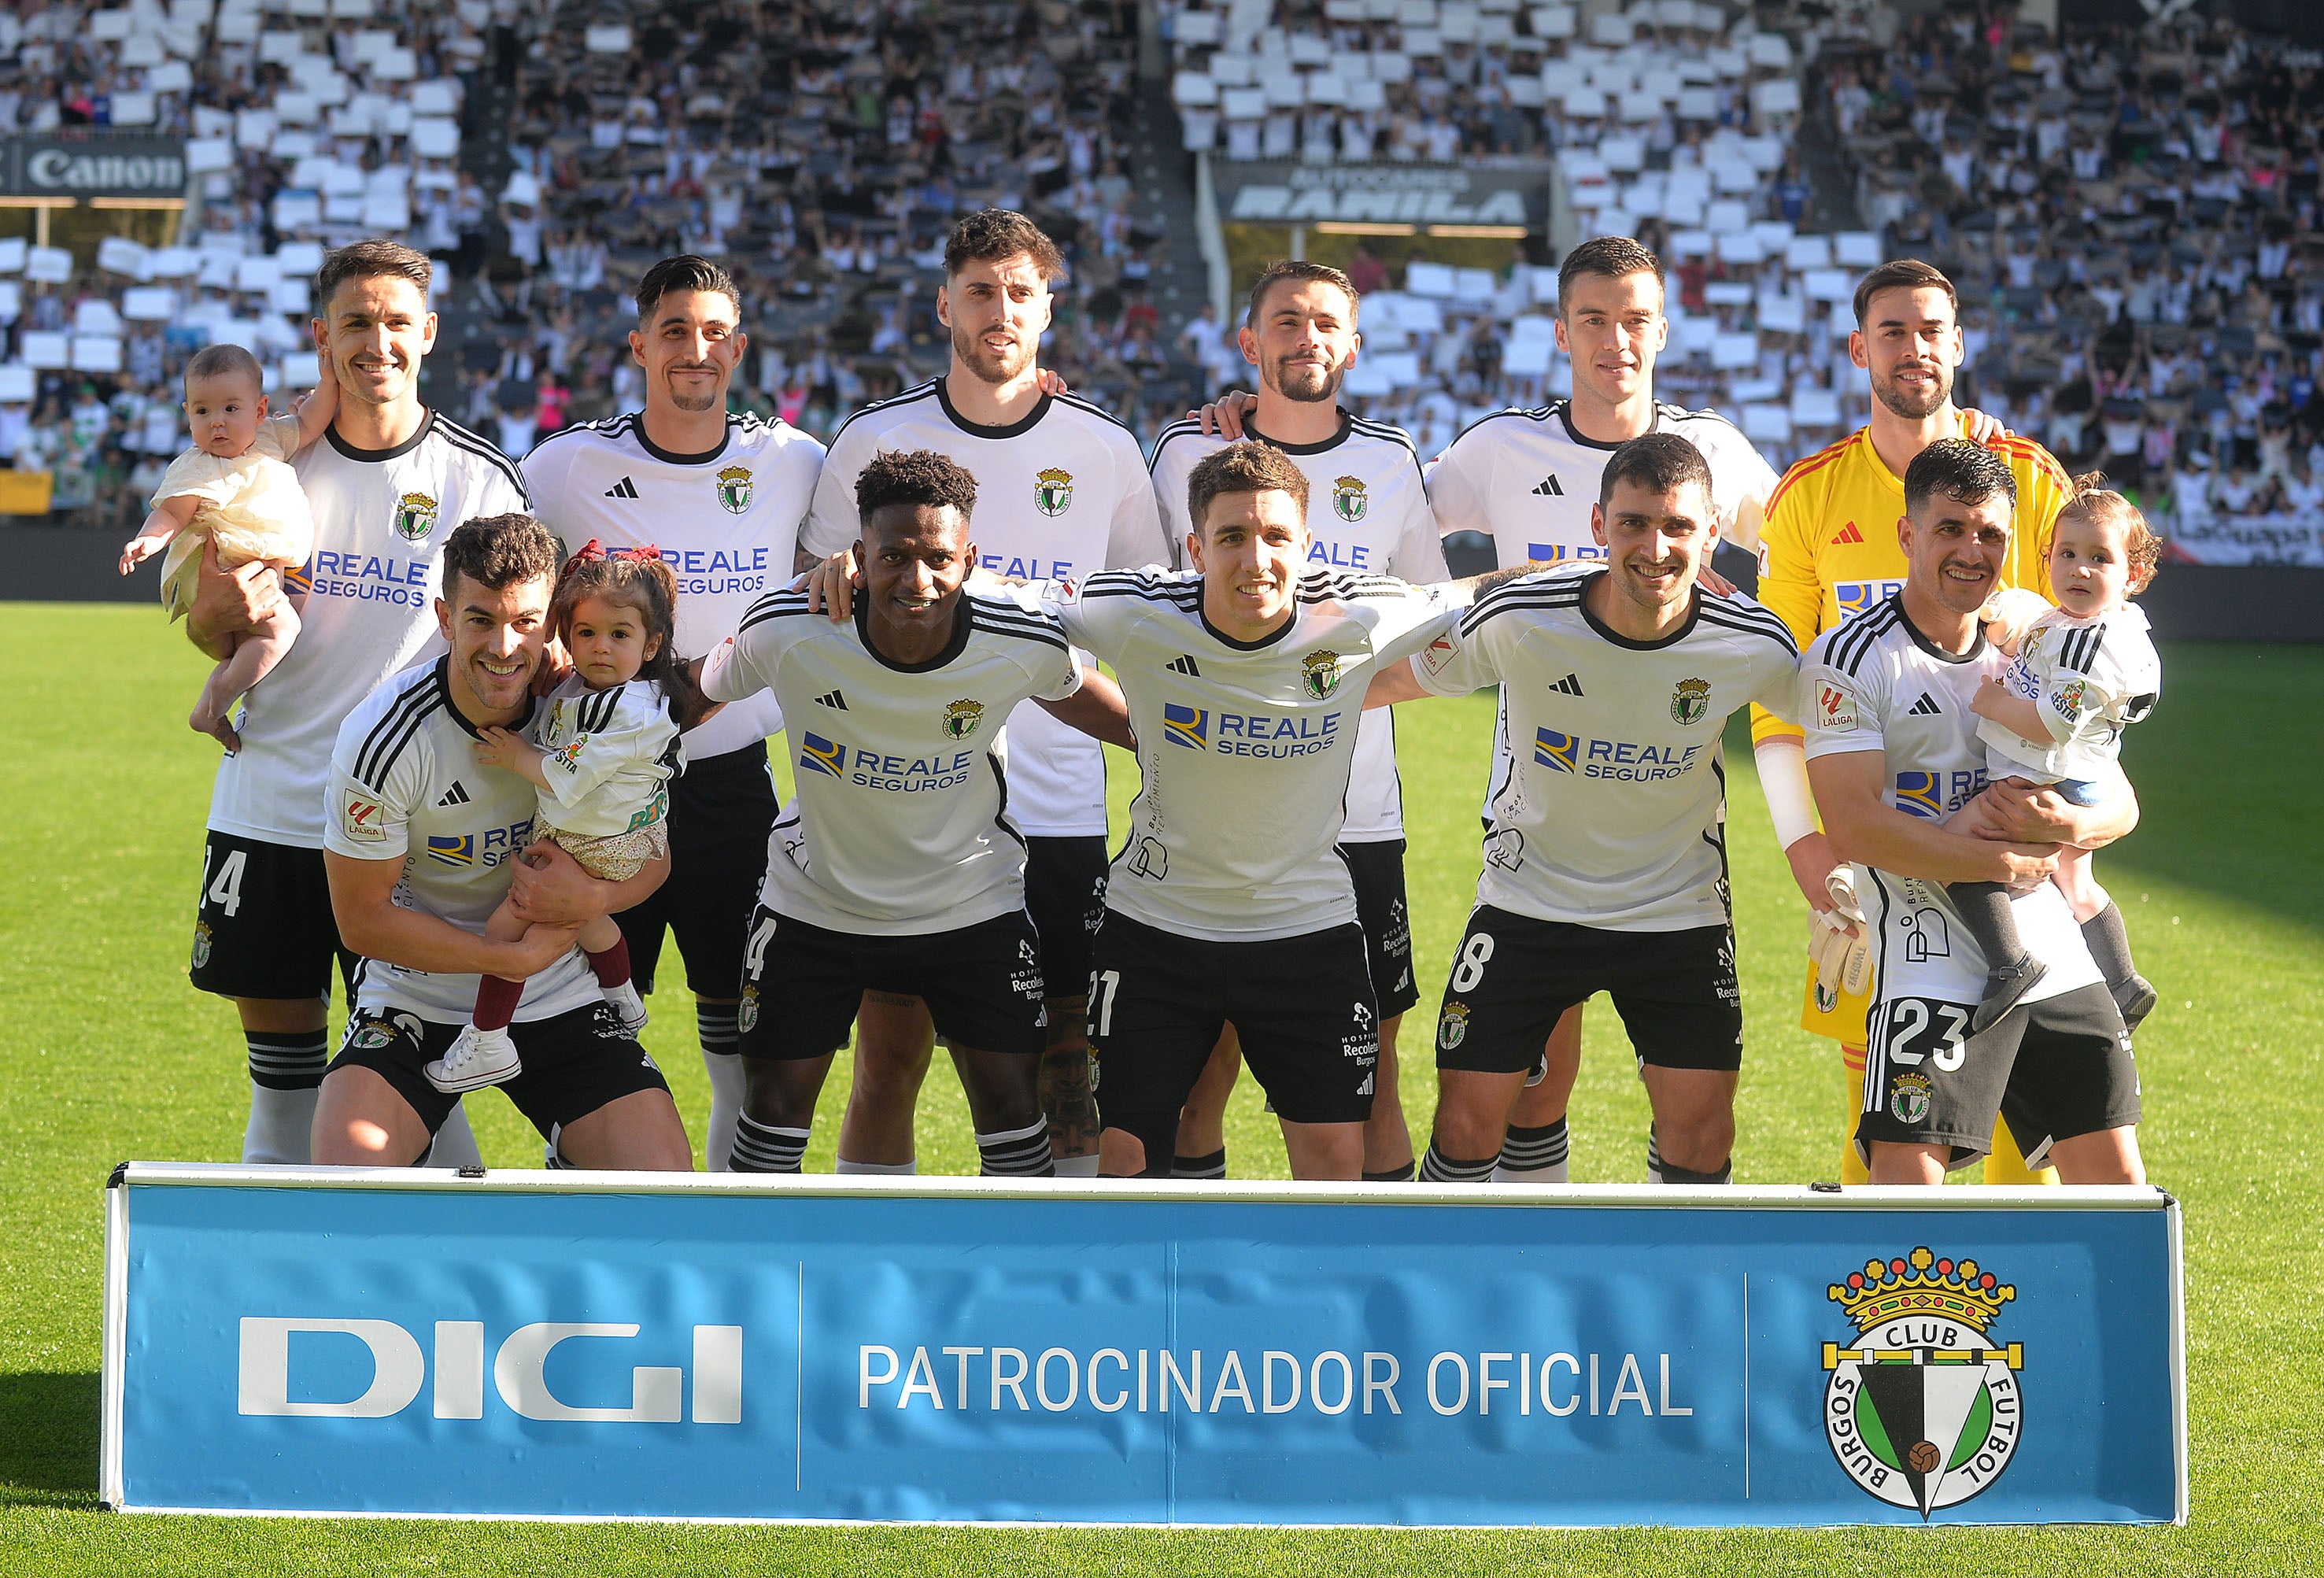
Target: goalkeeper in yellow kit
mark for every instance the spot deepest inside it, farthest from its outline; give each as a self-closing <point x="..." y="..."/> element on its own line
<point x="1829" y="550"/>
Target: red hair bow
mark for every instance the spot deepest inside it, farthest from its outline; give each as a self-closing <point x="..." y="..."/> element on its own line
<point x="593" y="549"/>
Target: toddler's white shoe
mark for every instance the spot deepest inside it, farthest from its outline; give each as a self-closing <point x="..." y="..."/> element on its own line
<point x="478" y="1058"/>
<point x="625" y="1001"/>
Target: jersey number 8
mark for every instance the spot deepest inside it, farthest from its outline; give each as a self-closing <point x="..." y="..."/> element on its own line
<point x="1470" y="967"/>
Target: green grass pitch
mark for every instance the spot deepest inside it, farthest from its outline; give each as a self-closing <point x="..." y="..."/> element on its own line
<point x="105" y="1053"/>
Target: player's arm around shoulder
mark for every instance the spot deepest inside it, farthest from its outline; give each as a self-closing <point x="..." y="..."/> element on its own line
<point x="832" y="523"/>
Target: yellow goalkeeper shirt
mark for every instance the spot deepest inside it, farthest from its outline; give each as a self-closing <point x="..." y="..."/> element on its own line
<point x="1828" y="548"/>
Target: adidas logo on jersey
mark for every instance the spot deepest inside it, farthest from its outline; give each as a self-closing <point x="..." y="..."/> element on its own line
<point x="1848" y="534"/>
<point x="1569" y="685"/>
<point x="1926" y="707"/>
<point x="623" y="489"/>
<point x="1184" y="665"/>
<point x="832" y="698"/>
<point x="1549" y="488"/>
<point x="458" y="795"/>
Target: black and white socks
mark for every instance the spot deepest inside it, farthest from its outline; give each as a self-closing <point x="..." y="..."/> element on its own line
<point x="1436" y="1167"/>
<point x="1534" y="1156"/>
<point x="762" y="1147"/>
<point x="1662" y="1172"/>
<point x="285" y="1068"/>
<point x="714" y="1023"/>
<point x="1017" y="1153"/>
<point x="1214" y="1166"/>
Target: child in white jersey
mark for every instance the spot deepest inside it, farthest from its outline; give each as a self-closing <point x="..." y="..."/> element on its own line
<point x="235" y="488"/>
<point x="2085" y="671"/>
<point x="603" y="749"/>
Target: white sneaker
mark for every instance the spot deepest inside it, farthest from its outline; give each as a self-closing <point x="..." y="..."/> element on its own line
<point x="626" y="1002"/>
<point x="478" y="1058"/>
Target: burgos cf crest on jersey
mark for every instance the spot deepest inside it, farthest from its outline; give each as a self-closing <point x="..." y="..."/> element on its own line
<point x="1053" y="491"/>
<point x="415" y="516"/>
<point x="734" y="488"/>
<point x="1689" y="701"/>
<point x="962" y="718"/>
<point x="1919" y="1410"/>
<point x="1349" y="501"/>
<point x="1319" y="673"/>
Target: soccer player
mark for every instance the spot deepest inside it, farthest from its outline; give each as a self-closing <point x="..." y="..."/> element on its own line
<point x="387" y="484"/>
<point x="1065" y="493"/>
<point x="1228" y="902"/>
<point x="1827" y="554"/>
<point x="1893" y="755"/>
<point x="1605" y="861"/>
<point x="422" y="844"/>
<point x="1367" y="513"/>
<point x="899" y="867"/>
<point x="722" y="496"/>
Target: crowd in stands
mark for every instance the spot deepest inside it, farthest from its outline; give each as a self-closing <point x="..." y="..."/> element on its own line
<point x="544" y="156"/>
<point x="2132" y="215"/>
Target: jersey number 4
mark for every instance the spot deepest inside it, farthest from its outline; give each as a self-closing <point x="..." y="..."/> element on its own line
<point x="224" y="888"/>
<point x="1922" y="1027"/>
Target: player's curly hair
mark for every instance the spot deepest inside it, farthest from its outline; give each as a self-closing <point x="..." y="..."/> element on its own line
<point x="1963" y="472"/>
<point x="648" y="588"/>
<point x="2098" y="503"/>
<point x="498" y="551"/>
<point x="997" y="235"/>
<point x="1244" y="468"/>
<point x="914" y="476"/>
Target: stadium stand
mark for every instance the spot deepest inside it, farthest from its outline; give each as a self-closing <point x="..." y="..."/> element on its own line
<point x="2131" y="214"/>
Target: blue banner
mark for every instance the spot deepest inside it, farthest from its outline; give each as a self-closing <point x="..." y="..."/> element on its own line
<point x="402" y="1343"/>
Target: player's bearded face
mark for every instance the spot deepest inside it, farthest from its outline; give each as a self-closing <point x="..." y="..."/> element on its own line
<point x="1911" y="346"/>
<point x="690" y="349"/>
<point x="1305" y="341"/>
<point x="496" y="636"/>
<point x="379" y="330"/>
<point x="997" y="312"/>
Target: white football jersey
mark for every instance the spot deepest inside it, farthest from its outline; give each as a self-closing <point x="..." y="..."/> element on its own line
<point x="1245" y="749"/>
<point x="608" y="757"/>
<point x="1368" y="513"/>
<point x="1614" y="814"/>
<point x="380" y="519"/>
<point x="1058" y="495"/>
<point x="727" y="523"/>
<point x="1877" y="684"/>
<point x="902" y="822"/>
<point x="1526" y="479"/>
<point x="404" y="785"/>
<point x="2092" y="678"/>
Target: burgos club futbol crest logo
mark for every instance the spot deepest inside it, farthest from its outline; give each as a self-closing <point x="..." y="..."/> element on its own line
<point x="1921" y="1410"/>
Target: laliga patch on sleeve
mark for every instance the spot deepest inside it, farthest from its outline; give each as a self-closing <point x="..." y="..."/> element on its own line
<point x="361" y="818"/>
<point x="1835" y="706"/>
<point x="1439" y="652"/>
